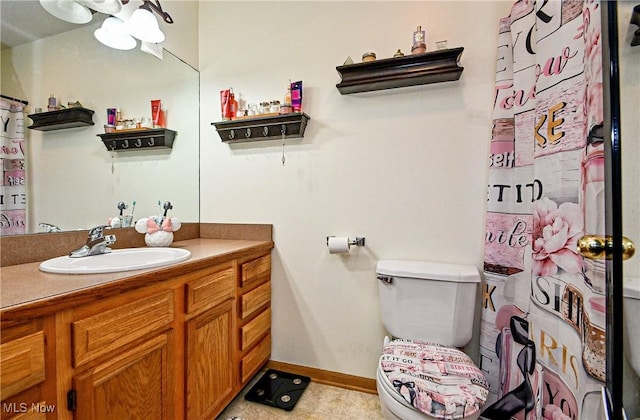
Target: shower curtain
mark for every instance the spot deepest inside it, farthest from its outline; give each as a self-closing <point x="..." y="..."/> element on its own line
<point x="13" y="197"/>
<point x="543" y="307"/>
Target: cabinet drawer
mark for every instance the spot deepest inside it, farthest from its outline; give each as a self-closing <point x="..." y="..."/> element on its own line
<point x="255" y="329"/>
<point x="255" y="359"/>
<point x="255" y="270"/>
<point x="22" y="363"/>
<point x="104" y="332"/>
<point x="210" y="289"/>
<point x="253" y="300"/>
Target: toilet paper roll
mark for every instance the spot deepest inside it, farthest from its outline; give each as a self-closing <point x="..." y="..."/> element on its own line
<point x="338" y="245"/>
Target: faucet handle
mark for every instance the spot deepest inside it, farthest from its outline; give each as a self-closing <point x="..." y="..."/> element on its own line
<point x="110" y="239"/>
<point x="97" y="232"/>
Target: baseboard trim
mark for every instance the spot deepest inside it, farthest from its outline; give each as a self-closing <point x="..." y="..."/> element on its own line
<point x="341" y="380"/>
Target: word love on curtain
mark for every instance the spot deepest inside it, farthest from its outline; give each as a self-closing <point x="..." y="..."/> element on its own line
<point x="543" y="307"/>
<point x="13" y="201"/>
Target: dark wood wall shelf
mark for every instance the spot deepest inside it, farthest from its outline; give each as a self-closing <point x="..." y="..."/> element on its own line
<point x="130" y="140"/>
<point x="411" y="70"/>
<point x="259" y="128"/>
<point x="61" y="119"/>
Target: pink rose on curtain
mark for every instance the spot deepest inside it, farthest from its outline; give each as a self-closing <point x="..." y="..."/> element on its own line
<point x="555" y="233"/>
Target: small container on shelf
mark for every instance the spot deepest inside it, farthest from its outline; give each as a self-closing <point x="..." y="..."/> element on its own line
<point x="368" y="56"/>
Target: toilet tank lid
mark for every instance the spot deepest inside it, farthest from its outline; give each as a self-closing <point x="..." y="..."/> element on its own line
<point x="429" y="270"/>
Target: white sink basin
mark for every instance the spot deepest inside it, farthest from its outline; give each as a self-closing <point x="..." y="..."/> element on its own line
<point x="116" y="260"/>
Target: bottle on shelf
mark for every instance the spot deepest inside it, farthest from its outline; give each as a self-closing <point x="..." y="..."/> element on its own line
<point x="286" y="103"/>
<point x="233" y="103"/>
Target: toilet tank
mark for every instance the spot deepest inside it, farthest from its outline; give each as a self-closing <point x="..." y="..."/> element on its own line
<point x="631" y="326"/>
<point x="428" y="301"/>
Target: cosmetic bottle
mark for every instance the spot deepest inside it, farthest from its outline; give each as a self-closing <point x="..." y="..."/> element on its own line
<point x="225" y="107"/>
<point x="156" y="107"/>
<point x="296" y="96"/>
<point x="233" y="102"/>
<point x="419" y="45"/>
<point x="52" y="103"/>
<point x="287" y="95"/>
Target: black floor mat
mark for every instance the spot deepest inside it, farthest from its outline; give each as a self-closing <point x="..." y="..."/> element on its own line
<point x="278" y="389"/>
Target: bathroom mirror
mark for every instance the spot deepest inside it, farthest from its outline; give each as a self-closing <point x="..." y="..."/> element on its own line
<point x="72" y="180"/>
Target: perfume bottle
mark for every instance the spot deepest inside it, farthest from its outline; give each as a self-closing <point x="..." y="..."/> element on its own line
<point x="419" y="45"/>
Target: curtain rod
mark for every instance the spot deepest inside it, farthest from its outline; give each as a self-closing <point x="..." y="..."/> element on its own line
<point x="14" y="99"/>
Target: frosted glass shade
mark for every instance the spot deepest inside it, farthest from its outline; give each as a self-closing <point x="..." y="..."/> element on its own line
<point x="108" y="7"/>
<point x="68" y="10"/>
<point x="144" y="26"/>
<point x="113" y="34"/>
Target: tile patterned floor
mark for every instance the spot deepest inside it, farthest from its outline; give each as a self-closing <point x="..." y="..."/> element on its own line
<point x="318" y="402"/>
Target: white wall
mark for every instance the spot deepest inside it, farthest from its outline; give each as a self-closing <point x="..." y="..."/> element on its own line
<point x="406" y="168"/>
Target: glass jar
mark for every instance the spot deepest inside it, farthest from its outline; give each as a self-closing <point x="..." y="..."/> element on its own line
<point x="275" y="107"/>
<point x="264" y="107"/>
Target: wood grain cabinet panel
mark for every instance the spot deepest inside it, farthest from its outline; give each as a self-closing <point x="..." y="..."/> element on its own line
<point x="255" y="329"/>
<point x="22" y="364"/>
<point x="257" y="269"/>
<point x="209" y="362"/>
<point x="255" y="359"/>
<point x="136" y="384"/>
<point x="106" y="331"/>
<point x="255" y="299"/>
<point x="210" y="288"/>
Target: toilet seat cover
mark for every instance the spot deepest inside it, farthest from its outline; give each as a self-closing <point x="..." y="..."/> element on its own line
<point x="440" y="381"/>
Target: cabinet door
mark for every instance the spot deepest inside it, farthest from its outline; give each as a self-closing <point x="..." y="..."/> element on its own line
<point x="135" y="384"/>
<point x="209" y="362"/>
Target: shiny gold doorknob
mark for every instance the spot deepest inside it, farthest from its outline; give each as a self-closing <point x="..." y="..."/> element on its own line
<point x="597" y="247"/>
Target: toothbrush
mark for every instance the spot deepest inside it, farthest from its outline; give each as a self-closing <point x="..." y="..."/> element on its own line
<point x="122" y="207"/>
<point x="167" y="206"/>
<point x="133" y="207"/>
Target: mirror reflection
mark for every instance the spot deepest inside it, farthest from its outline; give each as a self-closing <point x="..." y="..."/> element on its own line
<point x="71" y="180"/>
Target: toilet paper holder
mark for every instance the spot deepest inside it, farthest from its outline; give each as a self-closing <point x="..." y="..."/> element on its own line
<point x="358" y="241"/>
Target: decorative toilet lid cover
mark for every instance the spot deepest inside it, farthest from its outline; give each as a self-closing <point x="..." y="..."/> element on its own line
<point x="437" y="380"/>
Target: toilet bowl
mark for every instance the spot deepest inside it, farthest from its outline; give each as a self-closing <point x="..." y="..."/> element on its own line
<point x="423" y="374"/>
<point x="419" y="380"/>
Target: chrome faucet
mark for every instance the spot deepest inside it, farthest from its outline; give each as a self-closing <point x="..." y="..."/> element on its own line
<point x="48" y="227"/>
<point x="97" y="243"/>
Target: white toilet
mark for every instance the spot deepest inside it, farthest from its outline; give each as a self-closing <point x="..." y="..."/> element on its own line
<point x="424" y="303"/>
<point x="631" y="292"/>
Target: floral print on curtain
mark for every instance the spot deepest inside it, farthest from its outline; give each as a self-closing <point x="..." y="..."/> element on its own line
<point x="543" y="332"/>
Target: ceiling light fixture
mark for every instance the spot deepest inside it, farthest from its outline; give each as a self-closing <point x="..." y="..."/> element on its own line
<point x="144" y="26"/>
<point x="68" y="10"/>
<point x="108" y="7"/>
<point x="113" y="34"/>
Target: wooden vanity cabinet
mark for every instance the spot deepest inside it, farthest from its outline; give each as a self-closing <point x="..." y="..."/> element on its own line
<point x="181" y="348"/>
<point x="210" y="334"/>
<point x="23" y="367"/>
<point x="254" y="316"/>
<point x="123" y="356"/>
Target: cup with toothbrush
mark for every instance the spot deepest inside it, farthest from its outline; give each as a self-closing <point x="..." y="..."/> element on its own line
<point x="128" y="219"/>
<point x="158" y="230"/>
